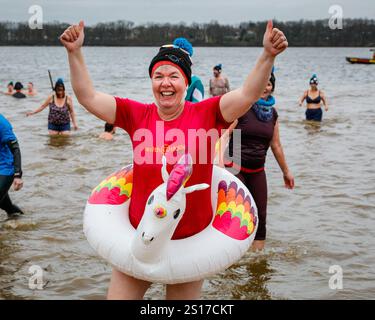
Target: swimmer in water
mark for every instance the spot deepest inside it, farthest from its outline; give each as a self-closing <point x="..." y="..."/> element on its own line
<point x="108" y="133"/>
<point x="18" y="94"/>
<point x="314" y="98"/>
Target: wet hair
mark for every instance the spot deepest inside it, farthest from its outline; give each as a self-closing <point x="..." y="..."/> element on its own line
<point x="108" y="127"/>
<point x="10" y="84"/>
<point x="18" y="86"/>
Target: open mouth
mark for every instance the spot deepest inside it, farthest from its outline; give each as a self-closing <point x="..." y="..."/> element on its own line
<point x="167" y="93"/>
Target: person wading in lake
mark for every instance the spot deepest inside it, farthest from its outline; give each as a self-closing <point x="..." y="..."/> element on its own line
<point x="314" y="98"/>
<point x="219" y="84"/>
<point x="60" y="111"/>
<point x="259" y="131"/>
<point x="170" y="73"/>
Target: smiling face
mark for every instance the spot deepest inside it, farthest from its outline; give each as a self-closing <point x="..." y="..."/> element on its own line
<point x="168" y="87"/>
<point x="267" y="91"/>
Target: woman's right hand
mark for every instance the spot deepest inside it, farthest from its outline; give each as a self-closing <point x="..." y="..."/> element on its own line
<point x="28" y="114"/>
<point x="73" y="37"/>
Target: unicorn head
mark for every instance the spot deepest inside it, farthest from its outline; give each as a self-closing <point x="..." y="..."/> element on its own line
<point x="164" y="209"/>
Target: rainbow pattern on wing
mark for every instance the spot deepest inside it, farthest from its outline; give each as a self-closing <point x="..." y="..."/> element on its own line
<point x="115" y="189"/>
<point x="235" y="215"/>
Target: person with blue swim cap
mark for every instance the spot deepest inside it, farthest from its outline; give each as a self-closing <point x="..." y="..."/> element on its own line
<point x="314" y="98"/>
<point x="195" y="91"/>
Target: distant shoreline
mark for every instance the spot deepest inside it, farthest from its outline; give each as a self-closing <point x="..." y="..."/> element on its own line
<point x="303" y="33"/>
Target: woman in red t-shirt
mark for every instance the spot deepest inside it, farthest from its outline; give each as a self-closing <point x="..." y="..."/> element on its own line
<point x="169" y="126"/>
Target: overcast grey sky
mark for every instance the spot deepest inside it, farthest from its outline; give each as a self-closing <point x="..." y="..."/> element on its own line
<point x="224" y="11"/>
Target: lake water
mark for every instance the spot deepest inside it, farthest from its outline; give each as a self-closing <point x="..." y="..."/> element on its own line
<point x="327" y="220"/>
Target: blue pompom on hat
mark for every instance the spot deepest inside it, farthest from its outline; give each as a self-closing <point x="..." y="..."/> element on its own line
<point x="184" y="44"/>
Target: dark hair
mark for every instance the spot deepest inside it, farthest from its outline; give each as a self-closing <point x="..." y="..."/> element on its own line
<point x="218" y="67"/>
<point x="273" y="81"/>
<point x="59" y="83"/>
<point x="18" y="86"/>
<point x="10" y="84"/>
<point x="108" y="127"/>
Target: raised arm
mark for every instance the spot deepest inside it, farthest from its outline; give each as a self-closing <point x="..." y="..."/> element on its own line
<point x="41" y="108"/>
<point x="100" y="104"/>
<point x="237" y="102"/>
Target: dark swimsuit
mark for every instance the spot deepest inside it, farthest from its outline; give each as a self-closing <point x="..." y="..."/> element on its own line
<point x="59" y="117"/>
<point x="256" y="136"/>
<point x="314" y="114"/>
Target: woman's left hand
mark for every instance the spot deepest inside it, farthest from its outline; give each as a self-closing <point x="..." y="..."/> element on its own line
<point x="274" y="40"/>
<point x="75" y="127"/>
<point x="289" y="180"/>
<point x="17" y="184"/>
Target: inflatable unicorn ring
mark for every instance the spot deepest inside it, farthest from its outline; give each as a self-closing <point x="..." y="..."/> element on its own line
<point x="148" y="253"/>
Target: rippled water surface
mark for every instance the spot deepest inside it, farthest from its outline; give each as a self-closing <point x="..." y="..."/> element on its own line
<point x="327" y="220"/>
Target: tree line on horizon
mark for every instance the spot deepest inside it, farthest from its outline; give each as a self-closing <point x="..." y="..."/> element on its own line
<point x="303" y="33"/>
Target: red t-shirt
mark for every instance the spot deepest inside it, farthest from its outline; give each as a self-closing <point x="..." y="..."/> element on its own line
<point x="151" y="137"/>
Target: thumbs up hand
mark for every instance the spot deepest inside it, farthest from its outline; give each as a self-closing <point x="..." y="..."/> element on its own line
<point x="274" y="40"/>
<point x="73" y="37"/>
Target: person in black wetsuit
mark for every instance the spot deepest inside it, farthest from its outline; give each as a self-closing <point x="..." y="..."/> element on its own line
<point x="10" y="167"/>
<point x="259" y="131"/>
<point x="314" y="98"/>
<point x="18" y="94"/>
